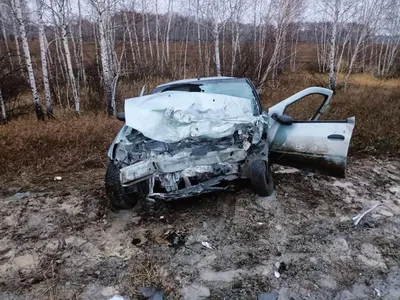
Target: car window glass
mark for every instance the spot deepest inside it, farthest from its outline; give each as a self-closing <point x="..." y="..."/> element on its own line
<point x="234" y="88"/>
<point x="305" y="108"/>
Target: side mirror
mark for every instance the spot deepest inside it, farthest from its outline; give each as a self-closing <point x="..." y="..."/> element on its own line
<point x="282" y="119"/>
<point x="121" y="116"/>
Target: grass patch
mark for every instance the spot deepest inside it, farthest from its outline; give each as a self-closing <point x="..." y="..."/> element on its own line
<point x="57" y="146"/>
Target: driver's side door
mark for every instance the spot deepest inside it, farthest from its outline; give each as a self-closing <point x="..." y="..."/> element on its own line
<point x="304" y="142"/>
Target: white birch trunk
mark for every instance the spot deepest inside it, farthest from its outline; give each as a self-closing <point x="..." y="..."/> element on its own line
<point x="17" y="48"/>
<point x="107" y="73"/>
<point x="200" y="67"/>
<point x="149" y="36"/>
<point x="128" y="28"/>
<point x="157" y="33"/>
<point x="216" y="48"/>
<point x="77" y="59"/>
<point x="144" y="34"/>
<point x="332" y="54"/>
<point x="70" y="71"/>
<point x="186" y="48"/>
<point x="135" y="35"/>
<point x="3" y="109"/>
<point x="3" y="29"/>
<point x="170" y="7"/>
<point x="96" y="50"/>
<point x="27" y="53"/>
<point x="207" y="55"/>
<point x="81" y="57"/>
<point x="43" y="57"/>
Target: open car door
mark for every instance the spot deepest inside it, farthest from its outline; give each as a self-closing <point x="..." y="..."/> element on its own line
<point x="304" y="142"/>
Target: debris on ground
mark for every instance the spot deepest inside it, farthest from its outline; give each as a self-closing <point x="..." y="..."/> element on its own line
<point x="207" y="245"/>
<point x="172" y="238"/>
<point x="281" y="266"/>
<point x="117" y="297"/>
<point x="19" y="196"/>
<point x="57" y="178"/>
<point x="268" y="296"/>
<point x="361" y="215"/>
<point x="152" y="293"/>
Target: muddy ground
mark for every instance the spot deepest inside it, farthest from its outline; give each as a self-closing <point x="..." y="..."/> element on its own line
<point x="64" y="242"/>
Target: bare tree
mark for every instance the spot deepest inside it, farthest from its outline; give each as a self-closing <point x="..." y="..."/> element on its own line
<point x="3" y="29"/>
<point x="81" y="57"/>
<point x="157" y="32"/>
<point x="61" y="12"/>
<point x="3" y="109"/>
<point x="284" y="12"/>
<point x="168" y="29"/>
<point x="110" y="64"/>
<point x="17" y="10"/>
<point x="368" y="14"/>
<point x="336" y="11"/>
<point x="43" y="57"/>
<point x="17" y="46"/>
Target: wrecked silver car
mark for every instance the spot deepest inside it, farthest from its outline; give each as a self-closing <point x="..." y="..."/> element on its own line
<point x="196" y="136"/>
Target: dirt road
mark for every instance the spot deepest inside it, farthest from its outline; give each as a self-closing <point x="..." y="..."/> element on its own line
<point x="63" y="242"/>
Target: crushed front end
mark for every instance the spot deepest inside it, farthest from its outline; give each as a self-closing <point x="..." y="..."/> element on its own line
<point x="186" y="168"/>
<point x="182" y="144"/>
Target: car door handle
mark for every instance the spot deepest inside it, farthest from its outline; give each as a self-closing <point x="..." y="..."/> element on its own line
<point x="336" y="137"/>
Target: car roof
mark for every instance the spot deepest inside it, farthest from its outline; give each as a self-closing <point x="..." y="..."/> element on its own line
<point x="196" y="79"/>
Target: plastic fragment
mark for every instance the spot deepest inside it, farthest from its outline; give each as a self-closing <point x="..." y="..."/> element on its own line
<point x="362" y="214"/>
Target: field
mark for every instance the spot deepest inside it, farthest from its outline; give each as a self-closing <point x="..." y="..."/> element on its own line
<point x="62" y="240"/>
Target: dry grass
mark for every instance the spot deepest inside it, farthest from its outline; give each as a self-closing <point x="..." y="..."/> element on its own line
<point x="146" y="272"/>
<point x="62" y="145"/>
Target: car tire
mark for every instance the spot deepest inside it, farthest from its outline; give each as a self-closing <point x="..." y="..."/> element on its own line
<point x="261" y="178"/>
<point x="116" y="193"/>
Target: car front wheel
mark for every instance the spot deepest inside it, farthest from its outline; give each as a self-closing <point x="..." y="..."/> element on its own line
<point x="261" y="178"/>
<point x="120" y="196"/>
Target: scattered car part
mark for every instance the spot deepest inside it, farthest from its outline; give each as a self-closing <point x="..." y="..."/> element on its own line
<point x="207" y="245"/>
<point x="362" y="214"/>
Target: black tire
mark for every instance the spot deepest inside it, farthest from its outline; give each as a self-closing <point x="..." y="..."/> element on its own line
<point x="261" y="178"/>
<point x="116" y="192"/>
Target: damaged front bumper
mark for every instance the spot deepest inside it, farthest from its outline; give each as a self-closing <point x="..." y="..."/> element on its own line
<point x="184" y="175"/>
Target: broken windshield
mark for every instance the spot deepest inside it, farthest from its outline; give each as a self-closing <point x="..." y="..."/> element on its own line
<point x="236" y="88"/>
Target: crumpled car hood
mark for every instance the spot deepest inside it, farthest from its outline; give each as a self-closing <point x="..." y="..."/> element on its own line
<point x="173" y="116"/>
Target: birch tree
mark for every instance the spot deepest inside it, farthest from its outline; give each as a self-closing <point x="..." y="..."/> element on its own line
<point x="368" y="13"/>
<point x="215" y="15"/>
<point x="17" y="45"/>
<point x="3" y="109"/>
<point x="237" y="7"/>
<point x="43" y="57"/>
<point x="61" y="13"/>
<point x="81" y="57"/>
<point x="17" y="10"/>
<point x="336" y="11"/>
<point x="3" y="20"/>
<point x="103" y="9"/>
<point x="168" y="28"/>
<point x="386" y="60"/>
<point x="284" y="12"/>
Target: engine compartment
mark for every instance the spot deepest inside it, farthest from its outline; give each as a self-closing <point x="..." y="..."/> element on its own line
<point x="184" y="168"/>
